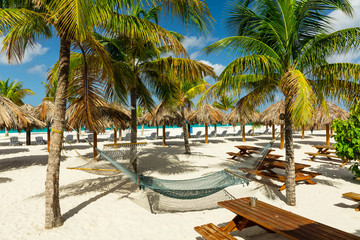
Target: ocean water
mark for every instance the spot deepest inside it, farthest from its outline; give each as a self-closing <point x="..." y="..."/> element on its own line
<point x="139" y="127"/>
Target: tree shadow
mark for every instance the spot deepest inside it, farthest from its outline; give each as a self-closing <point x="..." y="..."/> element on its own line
<point x="305" y="141"/>
<point x="343" y="205"/>
<point x="239" y="139"/>
<point x="13" y="150"/>
<point x="15" y="163"/>
<point x="333" y="171"/>
<point x="78" y="147"/>
<point x="5" y="180"/>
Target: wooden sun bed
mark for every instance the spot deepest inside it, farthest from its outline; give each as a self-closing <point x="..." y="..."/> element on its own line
<point x="273" y="219"/>
<point x="353" y="196"/>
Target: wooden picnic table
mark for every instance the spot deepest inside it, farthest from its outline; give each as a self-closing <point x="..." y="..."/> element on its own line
<point x="247" y="151"/>
<point x="325" y="151"/>
<point x="267" y="166"/>
<point x="277" y="220"/>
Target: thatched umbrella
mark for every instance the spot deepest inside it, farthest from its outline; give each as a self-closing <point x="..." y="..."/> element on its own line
<point x="242" y="116"/>
<point x="206" y="115"/>
<point x="271" y="116"/>
<point x="96" y="118"/>
<point x="28" y="108"/>
<point x="163" y="115"/>
<point x="326" y="116"/>
<point x="121" y="108"/>
<point x="45" y="112"/>
<point x="12" y="116"/>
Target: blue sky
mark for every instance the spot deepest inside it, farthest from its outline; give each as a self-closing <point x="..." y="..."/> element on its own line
<point x="32" y="71"/>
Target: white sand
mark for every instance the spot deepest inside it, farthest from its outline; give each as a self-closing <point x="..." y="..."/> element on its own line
<point x="98" y="207"/>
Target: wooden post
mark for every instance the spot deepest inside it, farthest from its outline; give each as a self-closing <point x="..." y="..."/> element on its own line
<point x="95" y="145"/>
<point x="28" y="137"/>
<point x="253" y="130"/>
<point x="115" y="138"/>
<point x="327" y="134"/>
<point x="215" y="128"/>
<point x="164" y="144"/>
<point x="48" y="138"/>
<point x="78" y="135"/>
<point x="243" y="132"/>
<point x="303" y="132"/>
<point x="120" y="134"/>
<point x="157" y="131"/>
<point x="189" y="135"/>
<point x="273" y="131"/>
<point x="206" y="134"/>
<point x="282" y="137"/>
<point x="267" y="127"/>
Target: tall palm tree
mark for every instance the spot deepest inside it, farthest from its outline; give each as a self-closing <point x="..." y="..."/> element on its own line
<point x="15" y="92"/>
<point x="24" y="22"/>
<point x="283" y="46"/>
<point x="226" y="103"/>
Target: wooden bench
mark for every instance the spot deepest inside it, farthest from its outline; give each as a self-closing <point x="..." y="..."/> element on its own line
<point x="277" y="220"/>
<point x="353" y="196"/>
<point x="212" y="232"/>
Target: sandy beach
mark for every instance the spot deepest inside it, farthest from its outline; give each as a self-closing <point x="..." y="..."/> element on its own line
<point x="104" y="207"/>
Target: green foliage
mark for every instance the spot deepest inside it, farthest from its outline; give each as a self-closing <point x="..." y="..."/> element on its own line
<point x="348" y="138"/>
<point x="14" y="91"/>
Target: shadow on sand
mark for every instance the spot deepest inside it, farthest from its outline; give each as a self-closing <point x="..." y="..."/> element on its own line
<point x="13" y="150"/>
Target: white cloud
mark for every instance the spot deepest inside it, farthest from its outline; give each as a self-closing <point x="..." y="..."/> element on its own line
<point x="193" y="42"/>
<point x="342" y="21"/>
<point x="218" y="68"/>
<point x="38" y="69"/>
<point x="195" y="54"/>
<point x="30" y="53"/>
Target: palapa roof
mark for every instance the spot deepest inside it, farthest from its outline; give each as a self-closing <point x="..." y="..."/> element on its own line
<point x="325" y="117"/>
<point x="45" y="111"/>
<point x="13" y="117"/>
<point x="162" y="115"/>
<point x="271" y="115"/>
<point x="100" y="116"/>
<point x="241" y="115"/>
<point x="207" y="114"/>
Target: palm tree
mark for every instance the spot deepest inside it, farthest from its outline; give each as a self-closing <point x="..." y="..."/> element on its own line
<point x="15" y="92"/>
<point x="283" y="46"/>
<point x="24" y="22"/>
<point x="226" y="103"/>
<point x="189" y="90"/>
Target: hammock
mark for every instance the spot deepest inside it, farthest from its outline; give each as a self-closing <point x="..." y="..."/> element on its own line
<point x="197" y="187"/>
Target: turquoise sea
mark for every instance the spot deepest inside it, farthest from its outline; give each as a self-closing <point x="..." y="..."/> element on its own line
<point x="139" y="127"/>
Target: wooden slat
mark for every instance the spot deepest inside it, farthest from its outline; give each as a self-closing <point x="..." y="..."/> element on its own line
<point x="283" y="222"/>
<point x="212" y="232"/>
<point x="352" y="195"/>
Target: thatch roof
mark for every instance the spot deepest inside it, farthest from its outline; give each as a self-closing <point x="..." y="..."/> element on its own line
<point x="325" y="117"/>
<point x="271" y="115"/>
<point x="242" y="116"/>
<point x="97" y="118"/>
<point x="44" y="111"/>
<point x="207" y="114"/>
<point x="13" y="117"/>
<point x="162" y="115"/>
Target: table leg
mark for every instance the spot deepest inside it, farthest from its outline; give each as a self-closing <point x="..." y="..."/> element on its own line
<point x="238" y="223"/>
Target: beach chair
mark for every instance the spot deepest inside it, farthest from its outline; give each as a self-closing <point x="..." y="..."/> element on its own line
<point x="39" y="140"/>
<point x="197" y="135"/>
<point x="355" y="197"/>
<point x="127" y="137"/>
<point x="167" y="134"/>
<point x="111" y="137"/>
<point x="152" y="136"/>
<point x="249" y="132"/>
<point x="14" y="141"/>
<point x="70" y="138"/>
<point x="180" y="136"/>
<point x="223" y="134"/>
<point x="263" y="133"/>
<point x="212" y="134"/>
<point x="238" y="133"/>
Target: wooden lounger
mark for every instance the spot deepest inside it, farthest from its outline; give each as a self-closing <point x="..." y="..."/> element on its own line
<point x="353" y="196"/>
<point x="212" y="232"/>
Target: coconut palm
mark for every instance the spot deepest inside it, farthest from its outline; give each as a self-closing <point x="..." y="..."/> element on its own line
<point x="24" y="22"/>
<point x="283" y="46"/>
<point x="225" y="103"/>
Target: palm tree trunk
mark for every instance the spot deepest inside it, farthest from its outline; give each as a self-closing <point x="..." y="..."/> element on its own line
<point x="133" y="125"/>
<point x="185" y="131"/>
<point x="142" y="130"/>
<point x="52" y="203"/>
<point x="289" y="158"/>
<point x="48" y="138"/>
<point x="6" y="132"/>
<point x="78" y="135"/>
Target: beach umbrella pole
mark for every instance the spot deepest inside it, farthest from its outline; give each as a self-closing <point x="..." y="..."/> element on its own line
<point x="282" y="136"/>
<point x="115" y="138"/>
<point x="253" y="130"/>
<point x="327" y="135"/>
<point x="206" y="134"/>
<point x="164" y="143"/>
<point x="273" y="131"/>
<point x="267" y="127"/>
<point x="48" y="138"/>
<point x="243" y="132"/>
<point x="303" y="132"/>
<point x="95" y="145"/>
<point x="28" y="137"/>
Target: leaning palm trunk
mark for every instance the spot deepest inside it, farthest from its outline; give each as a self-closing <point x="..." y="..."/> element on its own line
<point x="133" y="129"/>
<point x="6" y="132"/>
<point x="142" y="130"/>
<point x="185" y="130"/>
<point x="52" y="204"/>
<point x="289" y="157"/>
